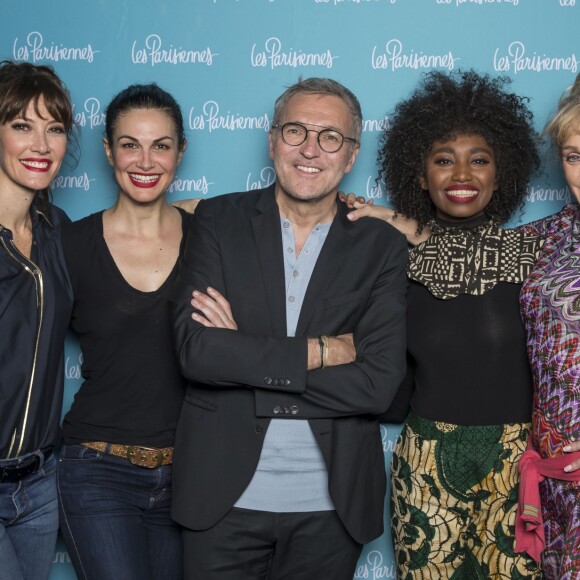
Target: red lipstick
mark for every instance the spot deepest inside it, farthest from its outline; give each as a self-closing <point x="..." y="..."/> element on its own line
<point x="40" y="165"/>
<point x="144" y="180"/>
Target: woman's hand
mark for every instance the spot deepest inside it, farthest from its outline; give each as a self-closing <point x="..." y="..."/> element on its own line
<point x="366" y="208"/>
<point x="570" y="449"/>
<point x="215" y="308"/>
<point x="363" y="208"/>
<point x="189" y="205"/>
<point x="369" y="210"/>
<point x="350" y="198"/>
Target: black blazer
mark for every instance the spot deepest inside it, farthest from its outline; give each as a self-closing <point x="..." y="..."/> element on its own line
<point x="240" y="379"/>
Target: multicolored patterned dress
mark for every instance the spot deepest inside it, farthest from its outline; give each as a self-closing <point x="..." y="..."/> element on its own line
<point x="550" y="306"/>
<point x="454" y="470"/>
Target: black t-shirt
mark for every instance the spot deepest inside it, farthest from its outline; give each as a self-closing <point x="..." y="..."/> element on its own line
<point x="132" y="389"/>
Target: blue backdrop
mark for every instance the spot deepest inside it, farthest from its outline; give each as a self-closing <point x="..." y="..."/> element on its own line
<point x="227" y="60"/>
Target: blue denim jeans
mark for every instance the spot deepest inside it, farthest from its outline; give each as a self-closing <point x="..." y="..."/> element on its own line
<point x="28" y="522"/>
<point x="115" y="517"/>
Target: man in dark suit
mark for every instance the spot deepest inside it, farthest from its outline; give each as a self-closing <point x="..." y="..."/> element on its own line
<point x="295" y="342"/>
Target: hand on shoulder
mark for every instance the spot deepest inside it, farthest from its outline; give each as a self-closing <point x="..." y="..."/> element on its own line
<point x="189" y="205"/>
<point x="363" y="208"/>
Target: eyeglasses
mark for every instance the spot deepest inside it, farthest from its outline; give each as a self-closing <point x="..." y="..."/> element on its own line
<point x="329" y="140"/>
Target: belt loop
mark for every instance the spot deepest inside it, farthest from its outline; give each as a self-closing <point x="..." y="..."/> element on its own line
<point x="42" y="455"/>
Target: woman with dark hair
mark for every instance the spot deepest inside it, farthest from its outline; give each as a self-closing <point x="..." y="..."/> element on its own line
<point x="36" y="120"/>
<point x="114" y="474"/>
<point x="456" y="159"/>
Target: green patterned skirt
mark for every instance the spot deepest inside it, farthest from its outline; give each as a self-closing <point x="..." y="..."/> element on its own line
<point x="454" y="499"/>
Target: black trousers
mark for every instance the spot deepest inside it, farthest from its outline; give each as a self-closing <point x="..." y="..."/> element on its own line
<point x="256" y="545"/>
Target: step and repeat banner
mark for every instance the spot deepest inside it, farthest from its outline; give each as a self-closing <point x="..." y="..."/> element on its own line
<point x="226" y="61"/>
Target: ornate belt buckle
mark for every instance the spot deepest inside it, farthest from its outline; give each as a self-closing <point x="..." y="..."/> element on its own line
<point x="145" y="456"/>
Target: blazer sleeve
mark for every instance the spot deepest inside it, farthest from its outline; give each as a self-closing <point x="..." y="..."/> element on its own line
<point x="221" y="357"/>
<point x="369" y="384"/>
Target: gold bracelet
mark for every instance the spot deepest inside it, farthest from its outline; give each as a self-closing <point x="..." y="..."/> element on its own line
<point x="325" y="343"/>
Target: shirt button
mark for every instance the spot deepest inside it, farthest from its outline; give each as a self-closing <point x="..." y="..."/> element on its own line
<point x="290" y="250"/>
<point x="286" y="224"/>
<point x="295" y="273"/>
<point x="291" y="299"/>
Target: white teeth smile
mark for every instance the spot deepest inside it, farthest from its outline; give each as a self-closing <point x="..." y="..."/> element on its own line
<point x="308" y="169"/>
<point x="36" y="164"/>
<point x="462" y="193"/>
<point x="144" y="178"/>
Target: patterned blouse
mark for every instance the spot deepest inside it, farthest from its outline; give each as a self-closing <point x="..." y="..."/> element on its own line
<point x="471" y="257"/>
<point x="550" y="306"/>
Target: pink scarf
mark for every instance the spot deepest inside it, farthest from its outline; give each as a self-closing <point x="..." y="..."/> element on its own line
<point x="529" y="522"/>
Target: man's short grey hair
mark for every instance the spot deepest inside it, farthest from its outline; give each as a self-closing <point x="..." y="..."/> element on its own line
<point x="321" y="86"/>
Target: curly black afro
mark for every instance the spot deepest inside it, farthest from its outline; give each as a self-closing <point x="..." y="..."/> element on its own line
<point x="442" y="107"/>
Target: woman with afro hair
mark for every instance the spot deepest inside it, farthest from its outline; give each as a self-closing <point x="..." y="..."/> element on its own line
<point x="456" y="159"/>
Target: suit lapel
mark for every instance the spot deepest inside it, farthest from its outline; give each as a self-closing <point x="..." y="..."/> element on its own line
<point x="327" y="266"/>
<point x="268" y="237"/>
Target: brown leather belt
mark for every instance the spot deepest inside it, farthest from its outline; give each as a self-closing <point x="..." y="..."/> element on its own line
<point x="149" y="457"/>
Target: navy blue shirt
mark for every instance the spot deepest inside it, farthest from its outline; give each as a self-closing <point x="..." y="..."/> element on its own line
<point x="35" y="306"/>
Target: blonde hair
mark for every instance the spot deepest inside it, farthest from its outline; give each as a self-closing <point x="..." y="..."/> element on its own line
<point x="566" y="121"/>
